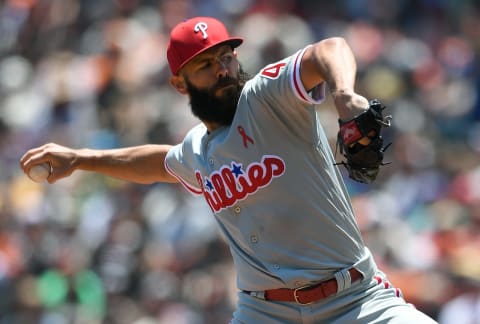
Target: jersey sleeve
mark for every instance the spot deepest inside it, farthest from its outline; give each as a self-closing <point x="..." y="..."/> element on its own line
<point x="180" y="161"/>
<point x="282" y="80"/>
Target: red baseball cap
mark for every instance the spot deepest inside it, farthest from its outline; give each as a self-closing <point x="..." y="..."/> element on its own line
<point x="194" y="36"/>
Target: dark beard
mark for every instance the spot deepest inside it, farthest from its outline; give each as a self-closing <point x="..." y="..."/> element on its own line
<point x="210" y="108"/>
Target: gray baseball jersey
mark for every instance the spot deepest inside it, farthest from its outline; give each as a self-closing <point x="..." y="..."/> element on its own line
<point x="271" y="183"/>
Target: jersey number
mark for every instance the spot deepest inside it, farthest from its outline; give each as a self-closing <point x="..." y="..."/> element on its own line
<point x="273" y="71"/>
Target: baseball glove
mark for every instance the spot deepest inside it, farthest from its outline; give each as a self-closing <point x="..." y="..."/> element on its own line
<point x="363" y="161"/>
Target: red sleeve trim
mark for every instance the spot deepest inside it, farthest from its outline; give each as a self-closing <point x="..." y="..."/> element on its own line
<point x="187" y="186"/>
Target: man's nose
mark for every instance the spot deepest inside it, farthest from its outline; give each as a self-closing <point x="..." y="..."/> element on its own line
<point x="222" y="70"/>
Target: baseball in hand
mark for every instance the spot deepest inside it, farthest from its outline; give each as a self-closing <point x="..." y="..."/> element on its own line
<point x="39" y="172"/>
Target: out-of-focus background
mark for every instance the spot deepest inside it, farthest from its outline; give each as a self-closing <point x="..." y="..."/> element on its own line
<point x="87" y="73"/>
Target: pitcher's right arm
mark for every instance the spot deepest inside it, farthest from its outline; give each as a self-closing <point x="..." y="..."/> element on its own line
<point x="140" y="164"/>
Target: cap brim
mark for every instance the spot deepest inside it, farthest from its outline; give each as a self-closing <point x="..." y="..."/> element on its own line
<point x="234" y="42"/>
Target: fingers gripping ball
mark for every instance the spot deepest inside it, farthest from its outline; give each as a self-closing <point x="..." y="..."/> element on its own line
<point x="40" y="172"/>
<point x="363" y="161"/>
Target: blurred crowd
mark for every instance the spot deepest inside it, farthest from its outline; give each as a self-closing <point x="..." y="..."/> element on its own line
<point x="84" y="73"/>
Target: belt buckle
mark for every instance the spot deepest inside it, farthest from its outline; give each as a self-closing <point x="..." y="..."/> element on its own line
<point x="295" y="296"/>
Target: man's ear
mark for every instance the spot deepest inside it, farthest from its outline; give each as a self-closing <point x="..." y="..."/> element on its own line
<point x="178" y="82"/>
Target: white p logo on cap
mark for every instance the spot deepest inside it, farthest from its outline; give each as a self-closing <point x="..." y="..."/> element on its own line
<point x="201" y="27"/>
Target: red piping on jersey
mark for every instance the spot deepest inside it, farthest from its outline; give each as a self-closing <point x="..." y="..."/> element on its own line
<point x="190" y="188"/>
<point x="295" y="77"/>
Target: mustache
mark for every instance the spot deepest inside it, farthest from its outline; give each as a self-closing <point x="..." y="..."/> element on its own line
<point x="225" y="81"/>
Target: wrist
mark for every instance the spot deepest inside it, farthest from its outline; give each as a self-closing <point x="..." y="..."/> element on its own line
<point x="349" y="104"/>
<point x="341" y="92"/>
<point x="85" y="159"/>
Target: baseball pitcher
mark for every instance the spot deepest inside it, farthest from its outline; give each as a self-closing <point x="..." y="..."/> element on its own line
<point x="262" y="162"/>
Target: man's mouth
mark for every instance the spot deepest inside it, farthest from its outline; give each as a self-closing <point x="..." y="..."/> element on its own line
<point x="225" y="82"/>
<point x="224" y="86"/>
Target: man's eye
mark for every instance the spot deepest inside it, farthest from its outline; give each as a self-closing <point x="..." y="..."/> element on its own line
<point x="227" y="58"/>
